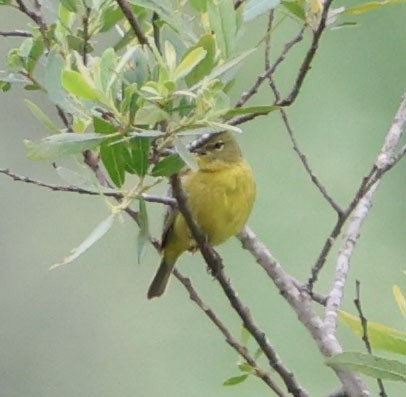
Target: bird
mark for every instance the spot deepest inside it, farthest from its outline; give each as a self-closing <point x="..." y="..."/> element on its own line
<point x="220" y="196"/>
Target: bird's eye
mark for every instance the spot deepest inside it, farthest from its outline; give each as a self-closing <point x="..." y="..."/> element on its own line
<point x="219" y="145"/>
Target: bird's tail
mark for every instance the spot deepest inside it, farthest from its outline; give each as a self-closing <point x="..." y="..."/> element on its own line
<point x="160" y="281"/>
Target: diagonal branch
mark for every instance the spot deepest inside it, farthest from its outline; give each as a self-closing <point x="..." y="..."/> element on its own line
<point x="133" y="21"/>
<point x="215" y="264"/>
<point x="300" y="301"/>
<point x="306" y="64"/>
<point x="230" y="339"/>
<point x="361" y="211"/>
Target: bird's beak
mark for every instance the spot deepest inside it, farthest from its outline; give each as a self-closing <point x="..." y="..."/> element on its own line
<point x="198" y="151"/>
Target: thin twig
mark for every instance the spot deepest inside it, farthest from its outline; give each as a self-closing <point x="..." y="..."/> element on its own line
<point x="269" y="72"/>
<point x="305" y="67"/>
<point x="133" y="21"/>
<point x="15" y="33"/>
<point x="230" y="339"/>
<point x="364" y="325"/>
<point x="215" y="264"/>
<point x="74" y="189"/>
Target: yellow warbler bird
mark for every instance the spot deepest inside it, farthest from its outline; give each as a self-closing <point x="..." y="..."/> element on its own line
<point x="220" y="196"/>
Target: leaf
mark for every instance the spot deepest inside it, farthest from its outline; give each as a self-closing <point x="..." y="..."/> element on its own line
<point x="149" y="114"/>
<point x="380" y="336"/>
<point x="235" y="380"/>
<point x="41" y="116"/>
<point x="255" y="8"/>
<point x="70" y="5"/>
<point x="189" y="61"/>
<point x="223" y="22"/>
<point x="75" y="83"/>
<point x="184" y="153"/>
<point x="296" y="8"/>
<point x="52" y="82"/>
<point x="139" y="153"/>
<point x="224" y="68"/>
<point x="400" y="299"/>
<point x="370" y="365"/>
<point x="143" y="234"/>
<point x="64" y="144"/>
<point x="370" y="6"/>
<point x="206" y="65"/>
<point x="102" y="126"/>
<point x="168" y="166"/>
<point x="249" y="110"/>
<point x="113" y="157"/>
<point x="101" y="229"/>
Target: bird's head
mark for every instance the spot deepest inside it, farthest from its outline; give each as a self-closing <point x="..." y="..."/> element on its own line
<point x="218" y="151"/>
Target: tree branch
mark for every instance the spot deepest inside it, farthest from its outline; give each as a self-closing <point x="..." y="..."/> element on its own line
<point x="133" y="21"/>
<point x="230" y="339"/>
<point x="215" y="264"/>
<point x="300" y="301"/>
<point x="305" y="67"/>
<point x="15" y="33"/>
<point x="74" y="189"/>
<point x="361" y="211"/>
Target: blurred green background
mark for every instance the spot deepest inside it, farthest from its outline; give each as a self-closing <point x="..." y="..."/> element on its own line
<point x="88" y="330"/>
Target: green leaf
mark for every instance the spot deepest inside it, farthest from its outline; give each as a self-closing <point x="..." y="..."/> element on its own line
<point x="70" y="5"/>
<point x="245" y="336"/>
<point x="149" y="114"/>
<point x="100" y="230"/>
<point x="64" y="144"/>
<point x="143" y="234"/>
<point x="138" y="155"/>
<point x="370" y="6"/>
<point x="102" y="126"/>
<point x="255" y="8"/>
<point x="52" y="82"/>
<point x="249" y="110"/>
<point x="75" y="83"/>
<point x="189" y="61"/>
<point x="223" y="22"/>
<point x="201" y="70"/>
<point x="168" y="166"/>
<point x="113" y="157"/>
<point x="380" y="336"/>
<point x="296" y="8"/>
<point x="235" y="380"/>
<point x="245" y="367"/>
<point x="370" y="365"/>
<point x="224" y="68"/>
<point x="400" y="299"/>
<point x="184" y="153"/>
<point x="199" y="5"/>
<point x="41" y="116"/>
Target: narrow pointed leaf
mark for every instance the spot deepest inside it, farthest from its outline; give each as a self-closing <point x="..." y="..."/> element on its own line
<point x="64" y="144"/>
<point x="249" y="110"/>
<point x="41" y="116"/>
<point x="370" y="365"/>
<point x="380" y="336"/>
<point x="101" y="229"/>
<point x="255" y="8"/>
<point x="190" y="61"/>
<point x="76" y="84"/>
<point x="400" y="299"/>
<point x="235" y="380"/>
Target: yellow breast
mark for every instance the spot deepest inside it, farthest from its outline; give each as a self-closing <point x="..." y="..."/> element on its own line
<point x="221" y="200"/>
